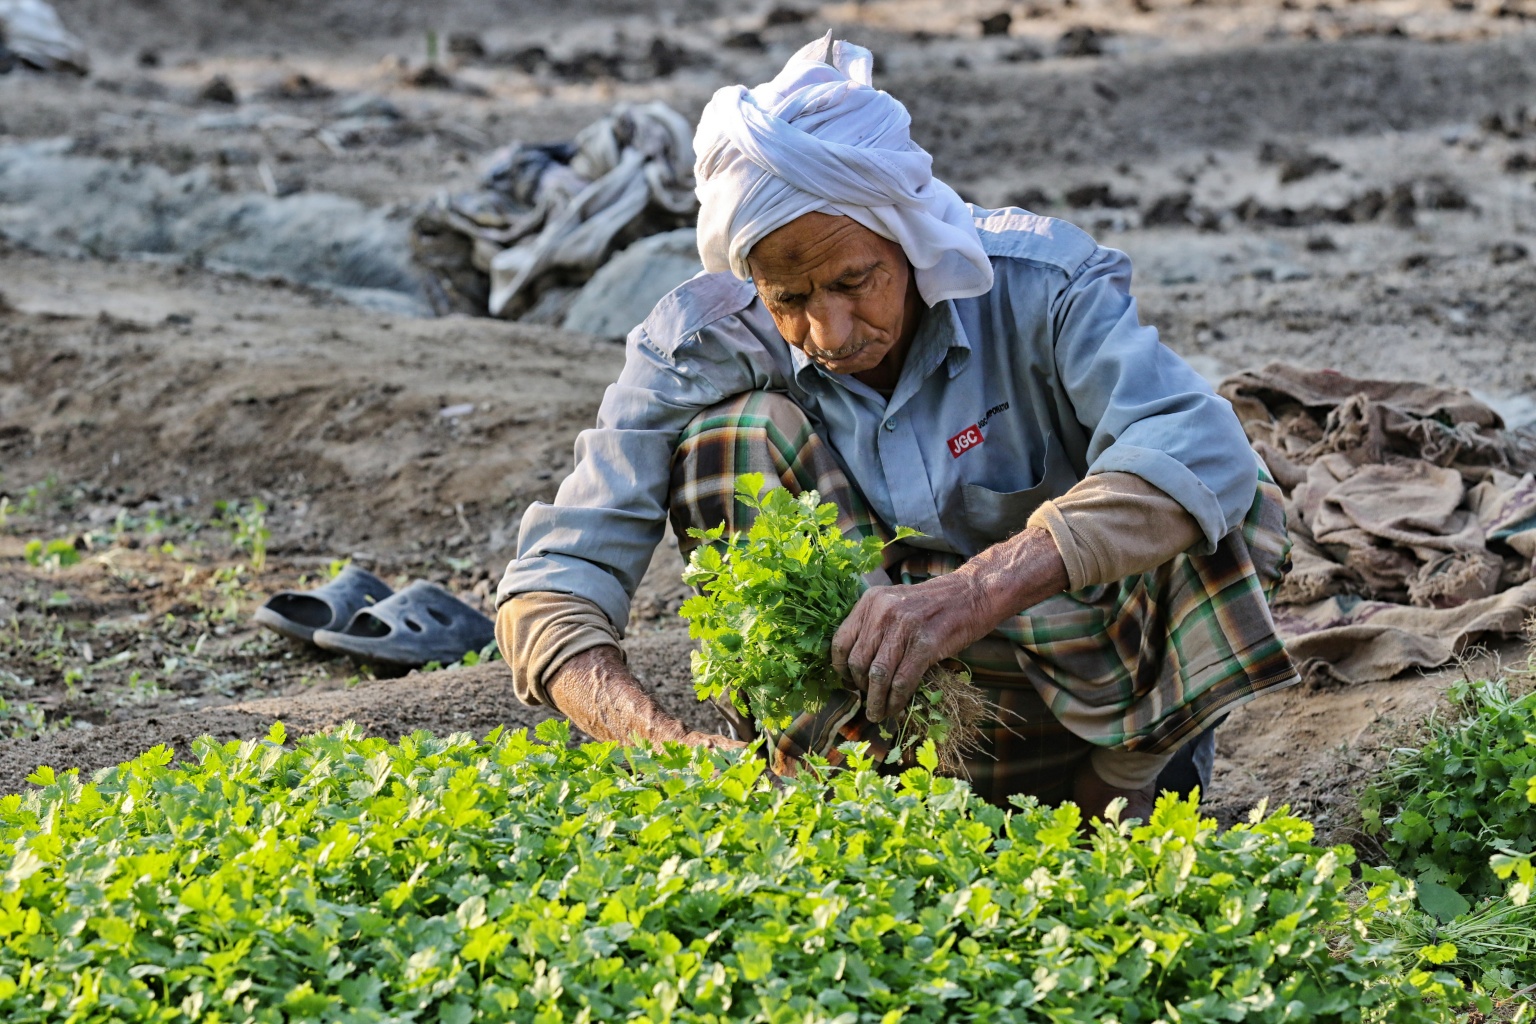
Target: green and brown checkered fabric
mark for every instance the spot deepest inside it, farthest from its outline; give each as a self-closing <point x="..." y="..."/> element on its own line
<point x="1143" y="664"/>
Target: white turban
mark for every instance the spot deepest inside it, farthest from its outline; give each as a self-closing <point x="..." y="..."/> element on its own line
<point x="821" y="138"/>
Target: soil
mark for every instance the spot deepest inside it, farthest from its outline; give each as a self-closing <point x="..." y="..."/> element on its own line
<point x="1350" y="186"/>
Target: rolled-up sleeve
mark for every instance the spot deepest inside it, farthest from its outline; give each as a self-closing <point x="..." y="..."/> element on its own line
<point x="1147" y="411"/>
<point x="597" y="538"/>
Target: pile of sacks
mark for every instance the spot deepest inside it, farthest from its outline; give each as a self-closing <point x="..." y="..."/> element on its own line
<point x="548" y="216"/>
<point x="1413" y="515"/>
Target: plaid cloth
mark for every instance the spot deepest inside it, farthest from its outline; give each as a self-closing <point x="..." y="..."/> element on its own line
<point x="1144" y="664"/>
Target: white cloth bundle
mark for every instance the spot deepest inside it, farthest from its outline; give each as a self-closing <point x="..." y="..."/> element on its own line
<point x="31" y="29"/>
<point x="821" y="138"/>
<point x="630" y="161"/>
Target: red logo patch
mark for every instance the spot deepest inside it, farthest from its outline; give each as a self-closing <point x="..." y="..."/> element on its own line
<point x="964" y="441"/>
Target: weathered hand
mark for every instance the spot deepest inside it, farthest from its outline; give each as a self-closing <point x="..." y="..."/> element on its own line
<point x="596" y="691"/>
<point x="672" y="730"/>
<point x="894" y="635"/>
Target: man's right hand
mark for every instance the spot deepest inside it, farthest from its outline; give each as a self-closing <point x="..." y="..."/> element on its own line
<point x="597" y="692"/>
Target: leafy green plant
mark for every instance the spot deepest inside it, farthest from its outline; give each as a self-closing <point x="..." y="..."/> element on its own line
<point x="490" y="652"/>
<point x="51" y="555"/>
<point x="1442" y="810"/>
<point x="228" y="584"/>
<point x="1493" y="943"/>
<point x="771" y="601"/>
<point x="446" y="881"/>
<point x="1518" y="867"/>
<point x="247" y="525"/>
<point x="149" y="524"/>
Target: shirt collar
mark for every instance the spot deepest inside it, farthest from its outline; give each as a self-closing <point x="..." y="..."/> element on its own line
<point x="940" y="339"/>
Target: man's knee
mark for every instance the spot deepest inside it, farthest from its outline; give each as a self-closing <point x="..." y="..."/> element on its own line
<point x="762" y="416"/>
<point x="754" y="432"/>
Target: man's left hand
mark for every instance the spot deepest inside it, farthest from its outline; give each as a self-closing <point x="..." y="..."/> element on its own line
<point x="894" y="635"/>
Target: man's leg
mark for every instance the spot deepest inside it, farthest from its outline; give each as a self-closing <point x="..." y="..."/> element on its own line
<point x="1025" y="750"/>
<point x="1152" y="664"/>
<point x="1191" y="765"/>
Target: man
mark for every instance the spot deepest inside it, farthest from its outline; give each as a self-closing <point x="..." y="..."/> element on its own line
<point x="1098" y="538"/>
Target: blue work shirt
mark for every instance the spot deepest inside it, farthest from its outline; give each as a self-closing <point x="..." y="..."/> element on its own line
<point x="1006" y="400"/>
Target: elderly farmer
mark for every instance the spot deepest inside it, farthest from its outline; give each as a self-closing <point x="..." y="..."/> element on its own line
<point x="1099" y="539"/>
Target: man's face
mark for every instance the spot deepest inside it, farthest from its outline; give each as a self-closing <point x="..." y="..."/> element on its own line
<point x="838" y="292"/>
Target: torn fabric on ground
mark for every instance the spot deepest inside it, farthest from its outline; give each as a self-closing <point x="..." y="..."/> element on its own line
<point x="32" y="32"/>
<point x="1412" y="511"/>
<point x="548" y="216"/>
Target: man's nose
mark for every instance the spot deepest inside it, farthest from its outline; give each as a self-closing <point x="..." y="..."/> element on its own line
<point x="829" y="325"/>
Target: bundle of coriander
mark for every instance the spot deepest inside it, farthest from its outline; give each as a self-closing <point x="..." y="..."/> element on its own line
<point x="770" y="602"/>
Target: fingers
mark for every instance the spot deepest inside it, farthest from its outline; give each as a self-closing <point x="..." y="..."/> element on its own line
<point x="887" y="643"/>
<point x="862" y="657"/>
<point x="876" y="705"/>
<point x="713" y="741"/>
<point x="887" y="649"/>
<point x="846" y="636"/>
<point x="913" y="659"/>
<point x="907" y="678"/>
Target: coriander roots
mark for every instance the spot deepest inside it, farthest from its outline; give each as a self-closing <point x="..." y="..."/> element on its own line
<point x="948" y="709"/>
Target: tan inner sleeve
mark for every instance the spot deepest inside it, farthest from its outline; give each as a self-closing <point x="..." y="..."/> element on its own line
<point x="1114" y="525"/>
<point x="537" y="633"/>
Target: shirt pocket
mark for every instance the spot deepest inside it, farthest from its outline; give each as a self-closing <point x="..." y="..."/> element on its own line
<point x="991" y="516"/>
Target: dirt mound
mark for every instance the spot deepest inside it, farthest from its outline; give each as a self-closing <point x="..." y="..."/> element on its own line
<point x="360" y="433"/>
<point x="1109" y="112"/>
<point x="53" y="202"/>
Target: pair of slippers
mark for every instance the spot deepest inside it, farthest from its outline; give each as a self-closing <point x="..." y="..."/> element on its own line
<point x="358" y="614"/>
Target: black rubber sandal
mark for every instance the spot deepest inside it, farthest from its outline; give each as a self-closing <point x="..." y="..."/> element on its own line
<point x="298" y="613"/>
<point x="421" y="624"/>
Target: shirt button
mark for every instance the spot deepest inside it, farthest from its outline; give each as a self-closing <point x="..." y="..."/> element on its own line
<point x="890" y="424"/>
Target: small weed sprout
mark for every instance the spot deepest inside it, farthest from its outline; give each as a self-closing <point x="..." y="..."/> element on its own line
<point x="142" y="690"/>
<point x="230" y="587"/>
<point x="32" y="500"/>
<point x="247" y="525"/>
<point x="490" y="652"/>
<point x="22" y="720"/>
<point x="51" y="555"/>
